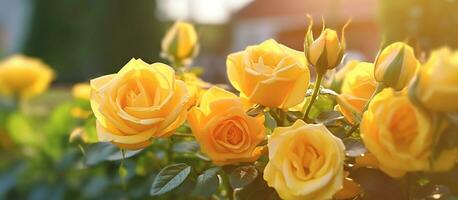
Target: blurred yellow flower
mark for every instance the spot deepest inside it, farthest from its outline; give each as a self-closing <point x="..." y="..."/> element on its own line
<point x="81" y="91"/>
<point x="141" y="101"/>
<point x="396" y="65"/>
<point x="357" y="88"/>
<point x="269" y="74"/>
<point x="437" y="87"/>
<point x="180" y="42"/>
<point x="80" y="113"/>
<point x="400" y="136"/>
<point x="223" y="129"/>
<point x="305" y="162"/>
<point x="24" y="76"/>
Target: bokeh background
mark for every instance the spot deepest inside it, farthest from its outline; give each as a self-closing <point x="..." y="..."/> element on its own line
<point x="82" y="39"/>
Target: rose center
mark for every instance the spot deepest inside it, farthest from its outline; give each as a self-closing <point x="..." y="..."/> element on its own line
<point x="306" y="160"/>
<point x="403" y="127"/>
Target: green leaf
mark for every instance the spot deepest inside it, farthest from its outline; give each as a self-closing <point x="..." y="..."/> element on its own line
<point x="354" y="147"/>
<point x="169" y="178"/>
<point x="186" y="146"/>
<point x="117" y="155"/>
<point x="329" y="118"/>
<point x="269" y="121"/>
<point x="242" y="176"/>
<point x="183" y="129"/>
<point x="323" y="103"/>
<point x="207" y="182"/>
<point x="98" y="152"/>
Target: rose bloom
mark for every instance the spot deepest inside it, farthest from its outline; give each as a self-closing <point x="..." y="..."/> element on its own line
<point x="437" y="87"/>
<point x="400" y="136"/>
<point x="223" y="129"/>
<point x="305" y="162"/>
<point x="357" y="88"/>
<point x="138" y="103"/>
<point x="24" y="76"/>
<point x="269" y="74"/>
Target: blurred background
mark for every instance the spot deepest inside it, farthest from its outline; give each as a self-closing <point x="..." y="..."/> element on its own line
<point x="82" y="39"/>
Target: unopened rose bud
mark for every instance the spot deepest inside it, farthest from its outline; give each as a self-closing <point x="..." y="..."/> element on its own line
<point x="326" y="51"/>
<point x="180" y="43"/>
<point x="396" y="65"/>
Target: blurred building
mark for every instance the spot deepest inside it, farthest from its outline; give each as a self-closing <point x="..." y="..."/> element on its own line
<point x="286" y="21"/>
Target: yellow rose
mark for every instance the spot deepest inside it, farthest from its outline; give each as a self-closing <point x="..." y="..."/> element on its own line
<point x="305" y="162"/>
<point x="437" y="87"/>
<point x="81" y="91"/>
<point x="326" y="47"/>
<point x="141" y="101"/>
<point x="223" y="129"/>
<point x="180" y="42"/>
<point x="357" y="88"/>
<point x="196" y="87"/>
<point x="400" y="136"/>
<point x="24" y="76"/>
<point x="396" y="65"/>
<point x="269" y="74"/>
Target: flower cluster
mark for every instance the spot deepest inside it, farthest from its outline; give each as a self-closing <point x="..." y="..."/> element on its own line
<point x="277" y="132"/>
<point x="397" y="107"/>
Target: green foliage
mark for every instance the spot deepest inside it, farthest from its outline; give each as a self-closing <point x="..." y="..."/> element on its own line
<point x="207" y="183"/>
<point x="243" y="176"/>
<point x="169" y="178"/>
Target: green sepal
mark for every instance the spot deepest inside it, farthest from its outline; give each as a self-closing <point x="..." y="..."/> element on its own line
<point x="393" y="71"/>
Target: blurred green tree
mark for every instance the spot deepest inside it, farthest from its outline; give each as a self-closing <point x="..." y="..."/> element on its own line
<point x="426" y="23"/>
<point x="82" y="39"/>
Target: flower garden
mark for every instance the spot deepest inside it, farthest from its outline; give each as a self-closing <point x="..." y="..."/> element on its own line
<point x="291" y="125"/>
